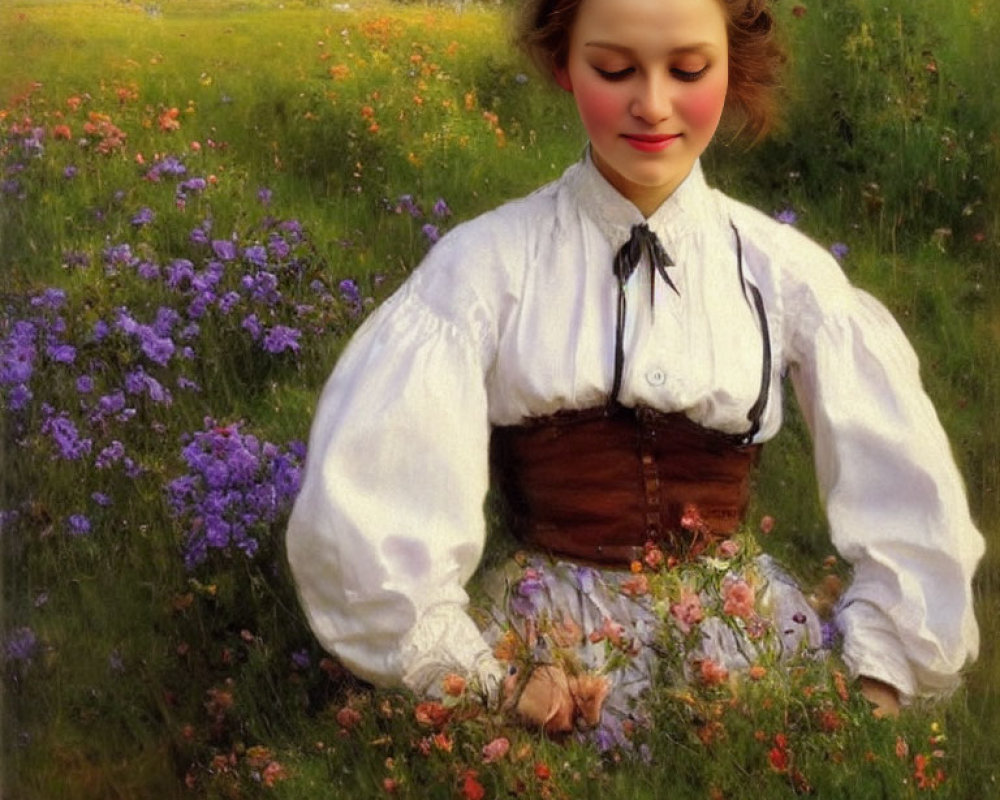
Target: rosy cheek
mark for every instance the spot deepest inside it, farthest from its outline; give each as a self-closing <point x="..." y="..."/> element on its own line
<point x="597" y="108"/>
<point x="703" y="104"/>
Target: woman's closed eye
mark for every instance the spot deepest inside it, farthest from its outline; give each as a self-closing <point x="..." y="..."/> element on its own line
<point x="616" y="74"/>
<point x="689" y="76"/>
<point x="685" y="75"/>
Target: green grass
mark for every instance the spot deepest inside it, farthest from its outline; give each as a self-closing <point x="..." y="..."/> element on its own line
<point x="889" y="144"/>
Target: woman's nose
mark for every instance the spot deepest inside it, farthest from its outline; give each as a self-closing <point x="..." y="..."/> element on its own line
<point x="652" y="102"/>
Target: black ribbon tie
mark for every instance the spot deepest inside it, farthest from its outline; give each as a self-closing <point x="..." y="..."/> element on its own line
<point x="642" y="242"/>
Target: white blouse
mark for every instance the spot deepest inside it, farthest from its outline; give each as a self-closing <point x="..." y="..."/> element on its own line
<point x="512" y="315"/>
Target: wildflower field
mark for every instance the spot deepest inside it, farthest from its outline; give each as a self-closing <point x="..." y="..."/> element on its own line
<point x="201" y="199"/>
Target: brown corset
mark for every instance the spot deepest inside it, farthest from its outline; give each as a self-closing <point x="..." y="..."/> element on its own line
<point x="598" y="484"/>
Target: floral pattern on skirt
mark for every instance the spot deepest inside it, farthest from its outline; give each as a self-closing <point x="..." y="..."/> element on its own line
<point x="660" y="622"/>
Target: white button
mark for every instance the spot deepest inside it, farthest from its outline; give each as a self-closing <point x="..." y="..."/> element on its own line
<point x="656" y="377"/>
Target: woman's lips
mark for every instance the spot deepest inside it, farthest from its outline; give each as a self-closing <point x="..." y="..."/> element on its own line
<point x="650" y="143"/>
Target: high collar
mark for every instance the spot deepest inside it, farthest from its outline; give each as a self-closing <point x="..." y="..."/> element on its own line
<point x="615" y="215"/>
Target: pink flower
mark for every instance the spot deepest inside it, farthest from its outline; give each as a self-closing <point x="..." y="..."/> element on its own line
<point x="636" y="586"/>
<point x="692" y="520"/>
<point x="738" y="597"/>
<point x="688" y="612"/>
<point x="653" y="557"/>
<point x="728" y="548"/>
<point x="766" y="524"/>
<point x="496" y="749"/>
<point x="610" y="630"/>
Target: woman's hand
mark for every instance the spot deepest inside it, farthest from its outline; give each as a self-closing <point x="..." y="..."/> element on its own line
<point x="553" y="701"/>
<point x="544" y="700"/>
<point x="883" y="696"/>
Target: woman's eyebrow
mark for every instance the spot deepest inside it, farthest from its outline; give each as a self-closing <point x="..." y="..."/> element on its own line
<point x="698" y="47"/>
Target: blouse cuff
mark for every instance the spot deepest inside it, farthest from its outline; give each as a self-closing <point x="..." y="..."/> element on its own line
<point x="872" y="649"/>
<point x="445" y="640"/>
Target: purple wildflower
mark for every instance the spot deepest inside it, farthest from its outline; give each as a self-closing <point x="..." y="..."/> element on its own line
<point x="300" y="659"/>
<point x="224" y="249"/>
<point x="839" y="250"/>
<point x="147" y="270"/>
<point x="293" y="228"/>
<point x="113" y="403"/>
<point x="78" y="525"/>
<point x="253" y="326"/>
<point x="407" y="204"/>
<point x="64" y="433"/>
<point x="20" y="645"/>
<point x="111" y="454"/>
<point x="170" y="166"/>
<point x="831" y="634"/>
<point x="281" y="338"/>
<point x="279" y="248"/>
<point x="256" y="255"/>
<point x="70" y="172"/>
<point x="52" y="299"/>
<point x="263" y="287"/>
<point x="61" y="353"/>
<point x="19" y="397"/>
<point x="180" y="273"/>
<point x="144" y="216"/>
<point x="118" y="256"/>
<point x="101" y="499"/>
<point x="101" y="330"/>
<point x="192" y="185"/>
<point x="166" y="319"/>
<point x="431" y="232"/>
<point x="84" y="384"/>
<point x="441" y="208"/>
<point x="526" y="594"/>
<point x="264" y="195"/>
<point x="229" y="301"/>
<point x="158" y="349"/>
<point x="349" y="292"/>
<point x="234" y="486"/>
<point x="787" y="216"/>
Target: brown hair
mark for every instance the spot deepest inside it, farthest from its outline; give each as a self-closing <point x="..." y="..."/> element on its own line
<point x="755" y="54"/>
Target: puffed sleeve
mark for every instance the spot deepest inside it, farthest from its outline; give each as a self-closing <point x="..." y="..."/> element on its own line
<point x="389" y="525"/>
<point x="894" y="498"/>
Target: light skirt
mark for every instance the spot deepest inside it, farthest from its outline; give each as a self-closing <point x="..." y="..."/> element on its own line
<point x="658" y="623"/>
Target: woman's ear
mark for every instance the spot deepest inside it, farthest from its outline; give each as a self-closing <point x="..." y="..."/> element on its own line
<point x="561" y="74"/>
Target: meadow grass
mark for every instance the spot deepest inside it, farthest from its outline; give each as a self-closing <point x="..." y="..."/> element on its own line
<point x="326" y="136"/>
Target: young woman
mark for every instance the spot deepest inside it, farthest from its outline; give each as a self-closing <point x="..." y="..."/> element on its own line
<point x="621" y="335"/>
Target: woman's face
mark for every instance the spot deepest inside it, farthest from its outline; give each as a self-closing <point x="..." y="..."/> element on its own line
<point x="649" y="78"/>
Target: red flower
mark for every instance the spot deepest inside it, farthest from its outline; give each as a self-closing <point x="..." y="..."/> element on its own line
<point x="431" y="714"/>
<point x="348" y="717"/>
<point x="453" y="685"/>
<point x="778" y="758"/>
<point x="542" y="771"/>
<point x="711" y="672"/>
<point x="472" y="789"/>
<point x="830" y="721"/>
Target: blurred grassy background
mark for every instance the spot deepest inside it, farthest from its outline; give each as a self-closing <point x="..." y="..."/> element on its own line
<point x="889" y="145"/>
